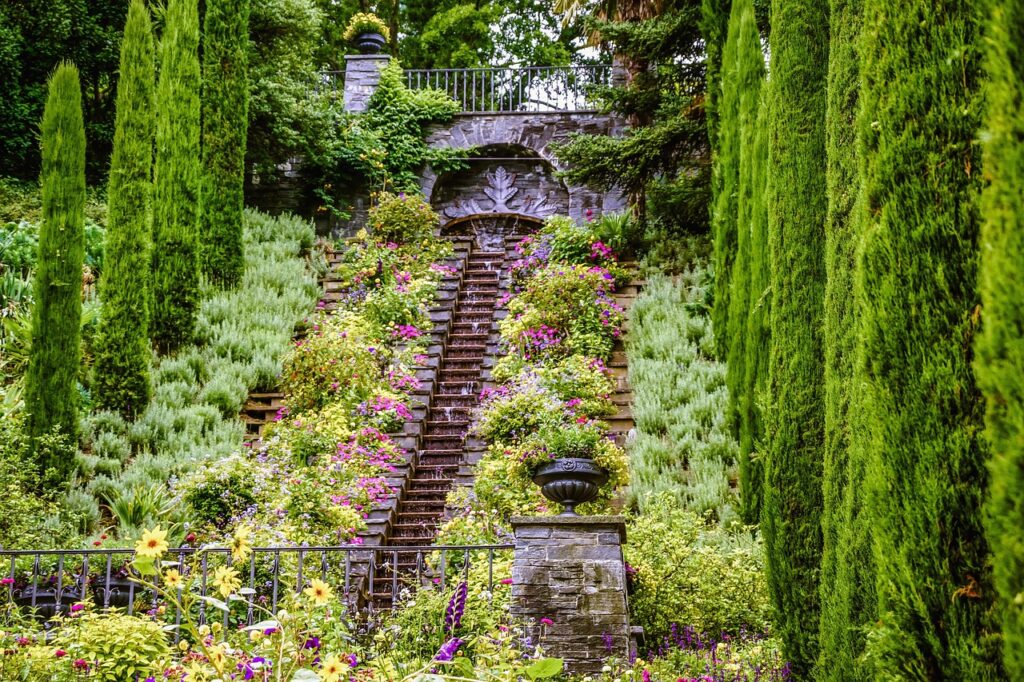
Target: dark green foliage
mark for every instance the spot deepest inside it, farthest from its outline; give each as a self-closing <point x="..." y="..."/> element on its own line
<point x="36" y="35"/>
<point x="758" y="335"/>
<point x="51" y="382"/>
<point x="919" y="310"/>
<point x="121" y="370"/>
<point x="791" y="518"/>
<point x="225" y="122"/>
<point x="1000" y="364"/>
<point x="748" y="76"/>
<point x="176" y="181"/>
<point x="847" y="579"/>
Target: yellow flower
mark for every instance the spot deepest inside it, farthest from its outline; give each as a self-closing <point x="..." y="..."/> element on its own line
<point x="226" y="580"/>
<point x="319" y="592"/>
<point x="152" y="544"/>
<point x="172" y="579"/>
<point x="240" y="546"/>
<point x="332" y="669"/>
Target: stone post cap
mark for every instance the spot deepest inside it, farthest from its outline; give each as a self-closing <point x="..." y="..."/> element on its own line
<point x="581" y="524"/>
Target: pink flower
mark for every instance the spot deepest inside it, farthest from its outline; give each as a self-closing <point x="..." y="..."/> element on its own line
<point x="60" y="653"/>
<point x="7" y="581"/>
<point x="77" y="607"/>
<point x="506" y="581"/>
<point x="80" y="664"/>
<point x="546" y="621"/>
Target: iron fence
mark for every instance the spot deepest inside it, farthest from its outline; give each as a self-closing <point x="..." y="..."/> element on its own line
<point x="516" y="89"/>
<point x="501" y="89"/>
<point x="49" y="582"/>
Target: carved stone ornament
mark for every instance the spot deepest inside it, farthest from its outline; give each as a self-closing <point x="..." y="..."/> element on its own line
<point x="504" y="198"/>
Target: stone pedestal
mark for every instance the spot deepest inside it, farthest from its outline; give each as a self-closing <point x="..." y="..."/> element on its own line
<point x="570" y="570"/>
<point x="362" y="75"/>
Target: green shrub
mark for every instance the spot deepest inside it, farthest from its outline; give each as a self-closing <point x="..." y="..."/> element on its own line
<point x="123" y="647"/>
<point x="683" y="446"/>
<point x="690" y="571"/>
<point x="401" y="218"/>
<point x="224" y="490"/>
<point x="51" y="381"/>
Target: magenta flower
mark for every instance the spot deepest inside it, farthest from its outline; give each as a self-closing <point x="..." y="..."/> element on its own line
<point x="448" y="649"/>
<point x="546" y="621"/>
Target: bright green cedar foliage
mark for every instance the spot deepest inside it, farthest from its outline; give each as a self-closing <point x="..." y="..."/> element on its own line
<point x="225" y="122"/>
<point x="916" y="273"/>
<point x="749" y="75"/>
<point x="122" y="353"/>
<point x="756" y="343"/>
<point x="847" y="579"/>
<point x="51" y="382"/>
<point x="176" y="181"/>
<point x="791" y="518"/>
<point x="725" y="183"/>
<point x="1000" y="364"/>
<point x="714" y="25"/>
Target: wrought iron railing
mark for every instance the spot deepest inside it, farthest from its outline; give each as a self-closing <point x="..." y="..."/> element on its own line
<point x="516" y="89"/>
<point x="501" y="89"/>
<point x="48" y="582"/>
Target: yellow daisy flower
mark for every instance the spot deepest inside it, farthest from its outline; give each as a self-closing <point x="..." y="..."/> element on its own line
<point x="319" y="592"/>
<point x="172" y="579"/>
<point x="240" y="545"/>
<point x="152" y="544"/>
<point x="332" y="669"/>
<point x="226" y="580"/>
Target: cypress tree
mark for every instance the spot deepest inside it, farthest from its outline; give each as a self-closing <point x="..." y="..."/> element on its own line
<point x="225" y="123"/>
<point x="1000" y="363"/>
<point x="714" y="24"/>
<point x="847" y="581"/>
<point x="917" y="278"/>
<point x="749" y="76"/>
<point x="51" y="381"/>
<point x="724" y="186"/>
<point x="758" y="332"/>
<point x="176" y="181"/>
<point x="791" y="519"/>
<point x="122" y="354"/>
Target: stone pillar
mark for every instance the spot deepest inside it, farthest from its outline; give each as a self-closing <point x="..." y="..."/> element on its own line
<point x="362" y="74"/>
<point x="570" y="570"/>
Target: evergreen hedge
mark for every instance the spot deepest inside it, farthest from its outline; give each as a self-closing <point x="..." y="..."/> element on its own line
<point x="847" y="580"/>
<point x="724" y="186"/>
<point x="714" y="26"/>
<point x="1000" y="363"/>
<point x="747" y="83"/>
<point x="122" y="354"/>
<point x="51" y="381"/>
<point x="791" y="518"/>
<point x="225" y="124"/>
<point x="176" y="179"/>
<point x="917" y="277"/>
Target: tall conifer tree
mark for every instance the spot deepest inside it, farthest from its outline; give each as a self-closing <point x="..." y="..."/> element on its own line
<point x="749" y="77"/>
<point x="1000" y="364"/>
<point x="847" y="580"/>
<point x="177" y="177"/>
<point x="796" y="234"/>
<point x="917" y="276"/>
<point x="725" y="183"/>
<point x="51" y="381"/>
<point x="758" y="331"/>
<point x="714" y="24"/>
<point x="122" y="355"/>
<point x="225" y="122"/>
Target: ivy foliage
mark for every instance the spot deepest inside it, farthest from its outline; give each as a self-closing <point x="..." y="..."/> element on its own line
<point x="385" y="146"/>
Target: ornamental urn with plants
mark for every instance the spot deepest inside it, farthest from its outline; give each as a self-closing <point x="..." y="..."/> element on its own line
<point x="368" y="32"/>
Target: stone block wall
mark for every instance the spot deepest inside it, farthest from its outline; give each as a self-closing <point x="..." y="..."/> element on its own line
<point x="569" y="570"/>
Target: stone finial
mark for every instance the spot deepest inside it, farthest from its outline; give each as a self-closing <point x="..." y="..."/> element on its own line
<point x="569" y="584"/>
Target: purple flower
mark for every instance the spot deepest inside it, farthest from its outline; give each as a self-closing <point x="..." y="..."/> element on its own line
<point x="456" y="607"/>
<point x="448" y="649"/>
<point x="312" y="643"/>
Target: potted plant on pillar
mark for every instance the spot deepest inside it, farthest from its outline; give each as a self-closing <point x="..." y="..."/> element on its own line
<point x="574" y="463"/>
<point x="368" y="31"/>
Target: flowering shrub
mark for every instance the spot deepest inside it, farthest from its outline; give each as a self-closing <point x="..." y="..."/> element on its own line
<point x="402" y="218"/>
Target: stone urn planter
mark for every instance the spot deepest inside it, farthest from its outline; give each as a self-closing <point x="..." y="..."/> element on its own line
<point x="370" y="43"/>
<point x="570" y="481"/>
